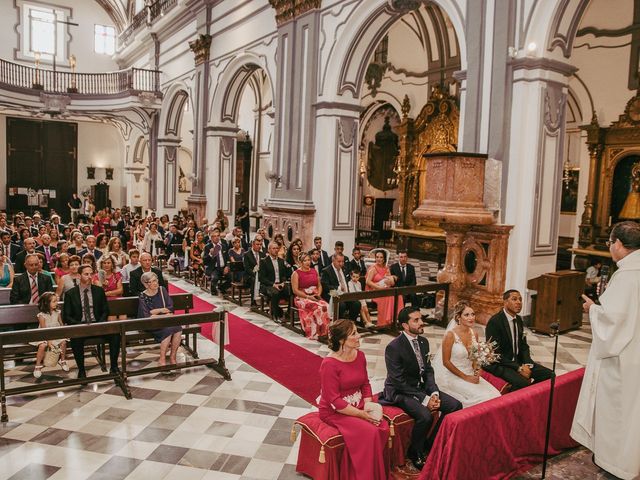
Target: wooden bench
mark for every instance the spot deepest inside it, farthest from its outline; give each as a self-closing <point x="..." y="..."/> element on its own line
<point x="4" y="296"/>
<point x="122" y="328"/>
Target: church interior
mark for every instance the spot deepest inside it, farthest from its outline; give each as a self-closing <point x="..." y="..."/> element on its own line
<point x="493" y="143"/>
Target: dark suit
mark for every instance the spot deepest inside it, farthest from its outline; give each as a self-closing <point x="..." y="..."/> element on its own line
<point x="18" y="264"/>
<point x="499" y="330"/>
<point x="72" y="314"/>
<point x="11" y="251"/>
<point x="407" y="388"/>
<point x="267" y="278"/>
<point x="135" y="283"/>
<point x="324" y="259"/>
<point x="21" y="290"/>
<point x="52" y="251"/>
<point x="250" y="263"/>
<point x="214" y="267"/>
<point x="96" y="253"/>
<point x="329" y="281"/>
<point x="406" y="280"/>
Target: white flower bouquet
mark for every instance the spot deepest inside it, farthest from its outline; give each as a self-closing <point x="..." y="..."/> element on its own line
<point x="483" y="353"/>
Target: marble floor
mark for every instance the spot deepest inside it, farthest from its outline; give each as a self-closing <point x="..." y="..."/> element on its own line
<point x="192" y="424"/>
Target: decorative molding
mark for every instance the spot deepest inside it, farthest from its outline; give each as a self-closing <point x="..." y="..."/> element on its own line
<point x="201" y="47"/>
<point x="528" y="63"/>
<point x="287" y="10"/>
<point x="345" y="173"/>
<point x="170" y="180"/>
<point x="403" y="7"/>
<point x="565" y="25"/>
<point x="604" y="32"/>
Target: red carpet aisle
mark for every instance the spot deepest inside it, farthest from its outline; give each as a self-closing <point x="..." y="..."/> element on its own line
<point x="291" y="366"/>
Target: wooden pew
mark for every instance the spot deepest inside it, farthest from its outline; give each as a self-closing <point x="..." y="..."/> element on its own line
<point x="121" y="328"/>
<point x="4" y="296"/>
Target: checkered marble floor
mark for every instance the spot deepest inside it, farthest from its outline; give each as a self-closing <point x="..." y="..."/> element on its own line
<point x="192" y="424"/>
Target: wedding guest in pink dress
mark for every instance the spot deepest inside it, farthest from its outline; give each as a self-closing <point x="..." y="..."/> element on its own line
<point x="313" y="311"/>
<point x="346" y="403"/>
<point x="379" y="277"/>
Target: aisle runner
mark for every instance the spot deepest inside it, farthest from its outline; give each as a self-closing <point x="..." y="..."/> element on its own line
<point x="288" y="364"/>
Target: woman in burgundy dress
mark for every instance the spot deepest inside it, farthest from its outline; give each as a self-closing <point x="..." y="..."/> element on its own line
<point x="346" y="404"/>
<point x="313" y="311"/>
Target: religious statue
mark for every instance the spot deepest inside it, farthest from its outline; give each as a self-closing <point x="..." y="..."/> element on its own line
<point x="382" y="159"/>
<point x="631" y="208"/>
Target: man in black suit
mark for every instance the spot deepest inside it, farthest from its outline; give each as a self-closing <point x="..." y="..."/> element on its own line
<point x="273" y="275"/>
<point x="411" y="385"/>
<point x="324" y="260"/>
<point x="358" y="262"/>
<point x="406" y="275"/>
<point x="91" y="248"/>
<point x="333" y="277"/>
<point x="87" y="303"/>
<point x="265" y="241"/>
<point x="515" y="365"/>
<point x="252" y="259"/>
<point x="46" y="249"/>
<point x="135" y="283"/>
<point x="338" y="248"/>
<point x="29" y="248"/>
<point x="216" y="260"/>
<point x="10" y="249"/>
<point x="23" y="291"/>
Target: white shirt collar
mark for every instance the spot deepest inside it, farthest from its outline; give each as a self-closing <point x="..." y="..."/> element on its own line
<point x="409" y="337"/>
<point x="509" y="317"/>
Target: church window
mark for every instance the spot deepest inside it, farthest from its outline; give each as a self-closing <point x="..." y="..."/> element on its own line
<point x="105" y="39"/>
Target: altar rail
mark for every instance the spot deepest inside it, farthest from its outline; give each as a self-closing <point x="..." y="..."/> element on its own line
<point x="395" y="293"/>
<point x="146" y="16"/>
<point x="17" y="76"/>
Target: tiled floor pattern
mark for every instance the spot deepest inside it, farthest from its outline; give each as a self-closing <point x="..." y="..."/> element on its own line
<point x="192" y="424"/>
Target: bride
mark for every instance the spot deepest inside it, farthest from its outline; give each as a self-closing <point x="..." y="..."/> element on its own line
<point x="454" y="372"/>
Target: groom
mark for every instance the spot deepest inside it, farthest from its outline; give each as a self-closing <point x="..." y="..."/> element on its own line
<point x="410" y="384"/>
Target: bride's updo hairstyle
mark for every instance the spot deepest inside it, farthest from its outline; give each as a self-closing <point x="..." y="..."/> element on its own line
<point x="338" y="333"/>
<point x="458" y="309"/>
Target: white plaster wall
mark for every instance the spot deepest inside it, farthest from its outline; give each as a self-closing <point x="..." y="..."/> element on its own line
<point x="86" y="13"/>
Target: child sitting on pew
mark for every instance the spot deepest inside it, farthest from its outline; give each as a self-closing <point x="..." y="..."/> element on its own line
<point x="354" y="285"/>
<point x="49" y="316"/>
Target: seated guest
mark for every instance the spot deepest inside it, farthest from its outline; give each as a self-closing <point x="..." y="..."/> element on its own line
<point x="378" y="278"/>
<point x="334" y="278"/>
<point x="338" y="248"/>
<point x="155" y="300"/>
<point x="51" y="275"/>
<point x="10" y="249"/>
<point x="215" y="258"/>
<point x="78" y="243"/>
<point x="346" y="404"/>
<point x="358" y="262"/>
<point x="324" y="259"/>
<point x="61" y="266"/>
<point x="282" y="249"/>
<point x="354" y="285"/>
<point x="30" y="286"/>
<point x="251" y="262"/>
<point x="134" y="263"/>
<point x="46" y="249"/>
<point x="315" y="260"/>
<point x="29" y="245"/>
<point x="411" y="385"/>
<point x="6" y="270"/>
<point x="49" y="316"/>
<point x="91" y="248"/>
<point x="111" y="281"/>
<point x="195" y="254"/>
<point x="457" y="373"/>
<point x="265" y="241"/>
<point x="87" y="303"/>
<point x="593" y="278"/>
<point x="149" y="242"/>
<point x="273" y="275"/>
<point x="71" y="279"/>
<point x="102" y="243"/>
<point x="313" y="311"/>
<point x="406" y="276"/>
<point x="236" y="255"/>
<point x="515" y="364"/>
<point x="293" y="256"/>
<point x="115" y="250"/>
<point x="135" y="284"/>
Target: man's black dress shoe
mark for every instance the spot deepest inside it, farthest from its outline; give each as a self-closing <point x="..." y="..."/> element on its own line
<point x="115" y="371"/>
<point x="82" y="374"/>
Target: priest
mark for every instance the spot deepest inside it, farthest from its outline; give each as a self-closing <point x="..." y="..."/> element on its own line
<point x="607" y="418"/>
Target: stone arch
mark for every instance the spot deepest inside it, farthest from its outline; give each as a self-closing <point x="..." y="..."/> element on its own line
<point x="368" y="24"/>
<point x="173" y="110"/>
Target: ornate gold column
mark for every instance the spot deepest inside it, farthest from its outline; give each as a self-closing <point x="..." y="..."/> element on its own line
<point x="197" y="201"/>
<point x="594" y="140"/>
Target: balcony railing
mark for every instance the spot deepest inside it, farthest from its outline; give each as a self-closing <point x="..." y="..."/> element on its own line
<point x="146" y="16"/>
<point x="14" y="75"/>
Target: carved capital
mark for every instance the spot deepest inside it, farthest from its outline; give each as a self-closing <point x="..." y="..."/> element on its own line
<point x="287" y="10"/>
<point x="200" y="48"/>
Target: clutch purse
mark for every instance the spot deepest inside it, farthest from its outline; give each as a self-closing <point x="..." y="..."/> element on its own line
<point x="374" y="410"/>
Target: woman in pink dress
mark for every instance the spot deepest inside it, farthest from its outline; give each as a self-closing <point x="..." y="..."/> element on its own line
<point x="313" y="311"/>
<point x="111" y="281"/>
<point x="346" y="404"/>
<point x="379" y="277"/>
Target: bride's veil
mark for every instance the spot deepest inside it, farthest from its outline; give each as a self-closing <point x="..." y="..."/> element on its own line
<point x="438" y="367"/>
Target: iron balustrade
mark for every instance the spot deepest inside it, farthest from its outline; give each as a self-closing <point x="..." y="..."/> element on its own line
<point x="395" y="292"/>
<point x="18" y="76"/>
<point x="146" y="16"/>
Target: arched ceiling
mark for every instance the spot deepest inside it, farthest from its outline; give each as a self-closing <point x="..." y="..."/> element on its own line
<point x="118" y="10"/>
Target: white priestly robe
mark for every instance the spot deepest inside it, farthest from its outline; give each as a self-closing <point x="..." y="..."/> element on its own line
<point x="607" y="418"/>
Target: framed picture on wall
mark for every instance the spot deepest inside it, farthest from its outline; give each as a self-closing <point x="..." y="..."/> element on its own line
<point x="569" y="202"/>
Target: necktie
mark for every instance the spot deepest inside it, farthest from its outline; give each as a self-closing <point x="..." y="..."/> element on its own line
<point x="515" y="340"/>
<point x="404" y="273"/>
<point x="34" y="290"/>
<point x="255" y="254"/>
<point x="343" y="285"/>
<point x="47" y="254"/>
<point x="276" y="270"/>
<point x="416" y="350"/>
<point x="86" y="308"/>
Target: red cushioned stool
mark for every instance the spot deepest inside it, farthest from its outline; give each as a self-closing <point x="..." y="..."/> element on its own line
<point x="321" y="448"/>
<point x="502" y="385"/>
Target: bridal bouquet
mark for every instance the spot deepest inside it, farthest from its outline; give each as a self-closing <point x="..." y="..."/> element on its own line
<point x="483" y="353"/>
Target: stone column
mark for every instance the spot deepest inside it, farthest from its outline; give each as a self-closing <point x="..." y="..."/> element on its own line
<point x="167" y="180"/>
<point x="197" y="201"/>
<point x="289" y="208"/>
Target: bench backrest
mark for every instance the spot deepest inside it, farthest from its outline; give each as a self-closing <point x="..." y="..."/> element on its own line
<point x="4" y="296"/>
<point x="25" y="315"/>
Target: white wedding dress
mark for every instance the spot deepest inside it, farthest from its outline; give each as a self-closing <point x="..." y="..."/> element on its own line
<point x="468" y="393"/>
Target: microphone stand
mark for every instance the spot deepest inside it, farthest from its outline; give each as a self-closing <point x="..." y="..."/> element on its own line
<point x="554" y="332"/>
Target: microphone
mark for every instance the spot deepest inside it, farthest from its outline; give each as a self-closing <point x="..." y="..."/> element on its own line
<point x="604" y="279"/>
